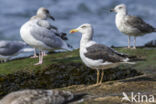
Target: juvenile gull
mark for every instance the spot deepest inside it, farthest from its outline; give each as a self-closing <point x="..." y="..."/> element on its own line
<point x="49" y="26"/>
<point x="40" y="34"/>
<point x="10" y="48"/>
<point x="37" y="97"/>
<point x="97" y="56"/>
<point x="130" y="25"/>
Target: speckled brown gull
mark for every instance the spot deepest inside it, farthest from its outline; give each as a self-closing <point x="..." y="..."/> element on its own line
<point x="131" y="25"/>
<point x="37" y="97"/>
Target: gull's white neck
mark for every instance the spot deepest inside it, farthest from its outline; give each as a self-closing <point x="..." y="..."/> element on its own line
<point x="121" y="14"/>
<point x="120" y="18"/>
<point x="86" y="38"/>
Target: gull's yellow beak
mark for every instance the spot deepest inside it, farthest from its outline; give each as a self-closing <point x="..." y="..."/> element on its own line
<point x="73" y="31"/>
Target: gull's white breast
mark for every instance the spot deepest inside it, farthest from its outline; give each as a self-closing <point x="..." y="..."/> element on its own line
<point x="25" y="32"/>
<point x="120" y="22"/>
<point x="94" y="64"/>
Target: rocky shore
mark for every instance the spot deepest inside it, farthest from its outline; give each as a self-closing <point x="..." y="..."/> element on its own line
<point x="69" y="73"/>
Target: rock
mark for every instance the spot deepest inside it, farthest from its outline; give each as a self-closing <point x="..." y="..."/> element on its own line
<point x="58" y="75"/>
<point x="151" y="43"/>
<point x="69" y="74"/>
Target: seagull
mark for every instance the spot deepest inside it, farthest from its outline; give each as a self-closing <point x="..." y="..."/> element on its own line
<point x="37" y="97"/>
<point x="98" y="56"/>
<point x="130" y="25"/>
<point x="40" y="34"/>
<point x="51" y="27"/>
<point x="10" y="48"/>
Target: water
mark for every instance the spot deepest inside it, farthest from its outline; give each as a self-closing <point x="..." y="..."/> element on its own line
<point x="72" y="13"/>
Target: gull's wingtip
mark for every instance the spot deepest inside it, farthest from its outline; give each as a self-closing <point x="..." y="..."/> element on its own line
<point x="67" y="47"/>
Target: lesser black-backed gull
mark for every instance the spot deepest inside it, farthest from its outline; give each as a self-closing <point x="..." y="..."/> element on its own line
<point x="38" y="33"/>
<point x="97" y="56"/>
<point x="130" y="25"/>
<point x="37" y="97"/>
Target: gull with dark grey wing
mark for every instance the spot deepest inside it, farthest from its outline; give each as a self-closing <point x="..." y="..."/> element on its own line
<point x="98" y="56"/>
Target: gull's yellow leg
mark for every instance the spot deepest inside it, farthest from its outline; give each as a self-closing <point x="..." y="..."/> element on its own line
<point x="102" y="74"/>
<point x="98" y="74"/>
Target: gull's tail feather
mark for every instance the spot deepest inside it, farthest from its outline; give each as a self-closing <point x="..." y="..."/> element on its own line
<point x="128" y="61"/>
<point x="67" y="46"/>
<point x="132" y="63"/>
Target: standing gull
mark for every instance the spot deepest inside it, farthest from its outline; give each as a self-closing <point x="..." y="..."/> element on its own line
<point x="37" y="97"/>
<point x="97" y="56"/>
<point x="49" y="26"/>
<point x="131" y="25"/>
<point x="10" y="48"/>
<point x="39" y="33"/>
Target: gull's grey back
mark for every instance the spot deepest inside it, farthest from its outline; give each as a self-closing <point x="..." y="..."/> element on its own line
<point x="8" y="48"/>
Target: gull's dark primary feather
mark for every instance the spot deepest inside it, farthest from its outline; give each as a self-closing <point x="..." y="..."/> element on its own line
<point x="47" y="25"/>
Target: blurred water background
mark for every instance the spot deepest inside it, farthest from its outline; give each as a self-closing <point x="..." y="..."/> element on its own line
<point x="72" y="13"/>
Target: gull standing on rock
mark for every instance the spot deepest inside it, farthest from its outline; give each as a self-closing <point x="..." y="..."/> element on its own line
<point x="39" y="33"/>
<point x="37" y="97"/>
<point x="52" y="28"/>
<point x="98" y="56"/>
<point x="130" y="25"/>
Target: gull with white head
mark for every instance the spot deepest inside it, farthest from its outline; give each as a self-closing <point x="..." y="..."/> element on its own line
<point x="130" y="25"/>
<point x="98" y="56"/>
<point x="40" y="34"/>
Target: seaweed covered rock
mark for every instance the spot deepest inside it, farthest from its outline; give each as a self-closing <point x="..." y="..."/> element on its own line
<point x="58" y="76"/>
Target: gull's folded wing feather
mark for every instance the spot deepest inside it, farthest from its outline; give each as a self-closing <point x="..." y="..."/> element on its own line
<point x="47" y="36"/>
<point x="98" y="51"/>
<point x="138" y="23"/>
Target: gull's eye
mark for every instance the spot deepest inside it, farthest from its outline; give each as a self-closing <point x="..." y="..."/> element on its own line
<point x="120" y="7"/>
<point x="83" y="27"/>
<point x="46" y="11"/>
